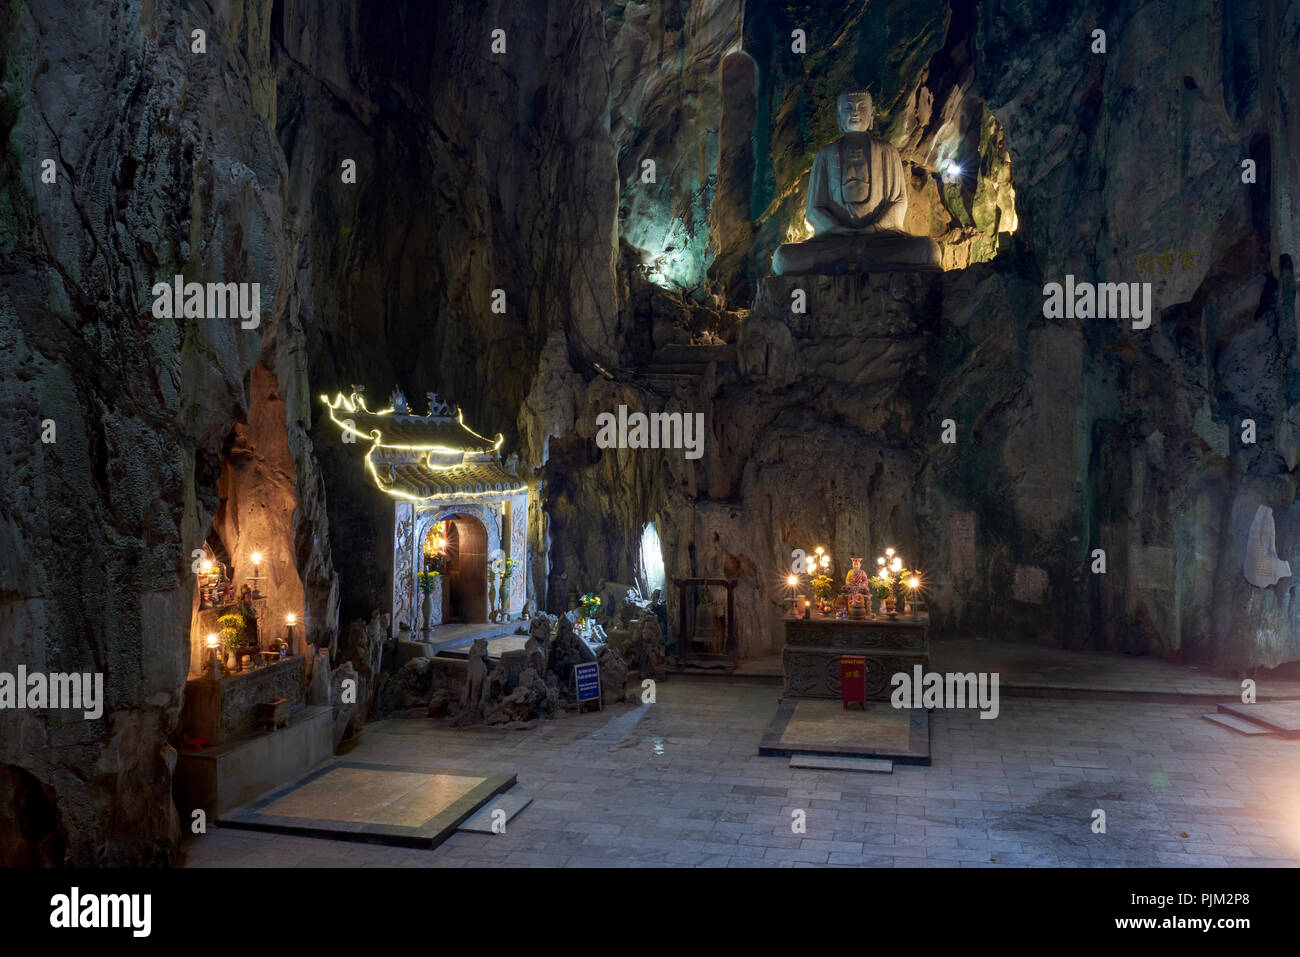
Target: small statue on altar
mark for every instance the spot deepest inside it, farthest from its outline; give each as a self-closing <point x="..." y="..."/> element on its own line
<point x="857" y="586"/>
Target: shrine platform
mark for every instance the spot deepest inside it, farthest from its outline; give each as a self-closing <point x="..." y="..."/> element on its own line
<point x="374" y="803"/>
<point x="810" y="726"/>
<point x="218" y="779"/>
<point x="448" y="639"/>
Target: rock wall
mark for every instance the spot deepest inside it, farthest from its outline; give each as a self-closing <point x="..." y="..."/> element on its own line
<point x="165" y="163"/>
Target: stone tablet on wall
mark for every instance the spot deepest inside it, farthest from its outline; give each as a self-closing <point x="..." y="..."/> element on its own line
<point x="961" y="546"/>
<point x="1030" y="584"/>
<point x="1262" y="567"/>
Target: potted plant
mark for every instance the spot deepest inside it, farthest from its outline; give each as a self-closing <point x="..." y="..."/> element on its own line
<point x="232" y="636"/>
<point x="587" y="617"/>
<point x="882" y="591"/>
<point x="428" y="582"/>
<point x="821" y="584"/>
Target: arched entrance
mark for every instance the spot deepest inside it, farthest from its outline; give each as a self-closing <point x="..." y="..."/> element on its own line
<point x="464" y="550"/>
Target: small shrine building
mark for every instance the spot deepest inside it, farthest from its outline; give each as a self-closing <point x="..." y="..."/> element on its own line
<point x="458" y="510"/>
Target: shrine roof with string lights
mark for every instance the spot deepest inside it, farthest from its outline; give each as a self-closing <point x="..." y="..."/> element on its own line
<point x="449" y="486"/>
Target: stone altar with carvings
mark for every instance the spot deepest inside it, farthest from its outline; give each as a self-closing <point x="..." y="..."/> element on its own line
<point x="811" y="656"/>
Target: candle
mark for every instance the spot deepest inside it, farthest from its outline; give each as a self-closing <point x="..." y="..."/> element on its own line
<point x="212" y="650"/>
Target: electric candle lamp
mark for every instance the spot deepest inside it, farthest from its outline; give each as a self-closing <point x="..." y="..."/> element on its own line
<point x="896" y="565"/>
<point x="212" y="649"/>
<point x="889" y="552"/>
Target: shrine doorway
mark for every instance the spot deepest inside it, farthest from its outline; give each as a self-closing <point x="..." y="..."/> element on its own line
<point x="466" y="569"/>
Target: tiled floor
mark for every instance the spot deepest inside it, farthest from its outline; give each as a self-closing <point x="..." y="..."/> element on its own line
<point x="679" y="782"/>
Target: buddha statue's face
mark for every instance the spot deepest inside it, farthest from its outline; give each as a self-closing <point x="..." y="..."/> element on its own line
<point x="857" y="563"/>
<point x="855" y="112"/>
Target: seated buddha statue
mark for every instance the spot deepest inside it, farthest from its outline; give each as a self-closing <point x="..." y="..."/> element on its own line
<point x="857" y="586"/>
<point x="856" y="206"/>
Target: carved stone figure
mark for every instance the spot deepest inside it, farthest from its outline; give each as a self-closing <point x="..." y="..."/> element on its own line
<point x="565" y="652"/>
<point x="475" y="677"/>
<point x="856" y="204"/>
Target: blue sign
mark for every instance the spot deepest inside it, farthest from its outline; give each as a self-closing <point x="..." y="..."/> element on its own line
<point x="587" y="677"/>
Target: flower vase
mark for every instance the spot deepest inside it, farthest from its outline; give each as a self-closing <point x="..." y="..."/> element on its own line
<point x="505" y="599"/>
<point x="232" y="661"/>
<point x="426" y="609"/>
<point x="891" y="607"/>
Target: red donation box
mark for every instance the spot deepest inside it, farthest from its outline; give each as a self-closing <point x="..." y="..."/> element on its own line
<point x="853" y="680"/>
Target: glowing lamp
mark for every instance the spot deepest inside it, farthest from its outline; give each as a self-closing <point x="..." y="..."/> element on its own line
<point x="914" y="583"/>
<point x="212" y="650"/>
<point x="889" y="552"/>
<point x="257" y="558"/>
<point x="792" y="581"/>
<point x="896" y="565"/>
<point x="290" y="619"/>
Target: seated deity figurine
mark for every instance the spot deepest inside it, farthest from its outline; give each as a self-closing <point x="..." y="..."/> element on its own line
<point x="856" y="206"/>
<point x="857" y="586"/>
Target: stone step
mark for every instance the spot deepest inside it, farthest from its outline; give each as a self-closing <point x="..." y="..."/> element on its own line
<point x="1280" y="716"/>
<point x="827" y="762"/>
<point x="510" y="802"/>
<point x="1236" y="724"/>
